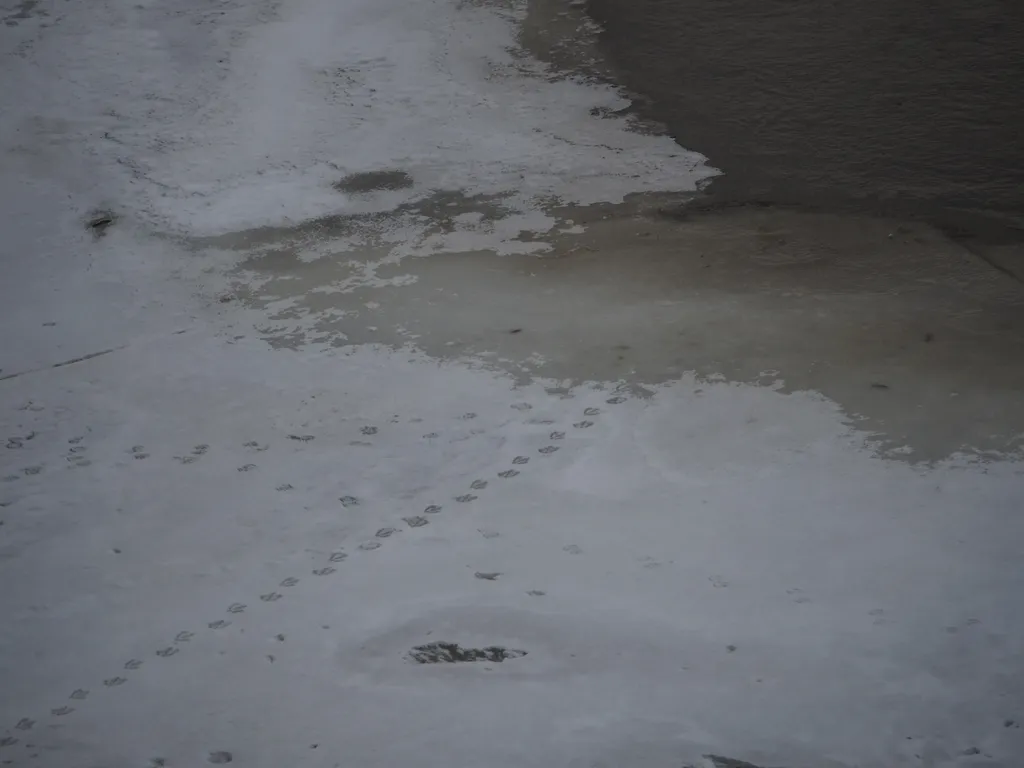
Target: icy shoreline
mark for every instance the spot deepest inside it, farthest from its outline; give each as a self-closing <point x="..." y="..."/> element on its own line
<point x="266" y="441"/>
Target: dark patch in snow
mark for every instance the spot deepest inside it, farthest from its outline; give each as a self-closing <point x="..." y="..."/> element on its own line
<point x="26" y="9"/>
<point x="374" y="181"/>
<point x="452" y="653"/>
<point x="99" y="221"/>
<point x="727" y="762"/>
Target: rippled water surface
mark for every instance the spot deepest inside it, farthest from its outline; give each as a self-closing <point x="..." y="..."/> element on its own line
<point x="909" y="106"/>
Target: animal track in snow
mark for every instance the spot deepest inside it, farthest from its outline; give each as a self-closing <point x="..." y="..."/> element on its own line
<point x="412" y="521"/>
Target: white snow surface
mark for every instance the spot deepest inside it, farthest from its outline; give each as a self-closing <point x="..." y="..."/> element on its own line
<point x="217" y="116"/>
<point x="212" y="549"/>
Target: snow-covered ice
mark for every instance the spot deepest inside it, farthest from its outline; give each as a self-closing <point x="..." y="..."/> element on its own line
<point x="391" y="343"/>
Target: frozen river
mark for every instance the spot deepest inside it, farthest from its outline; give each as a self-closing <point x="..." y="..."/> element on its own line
<point x="369" y="400"/>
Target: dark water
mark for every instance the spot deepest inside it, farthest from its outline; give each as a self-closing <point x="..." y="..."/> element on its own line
<point x="911" y="107"/>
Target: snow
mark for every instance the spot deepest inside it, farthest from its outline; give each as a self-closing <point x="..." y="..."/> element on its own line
<point x="228" y="416"/>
